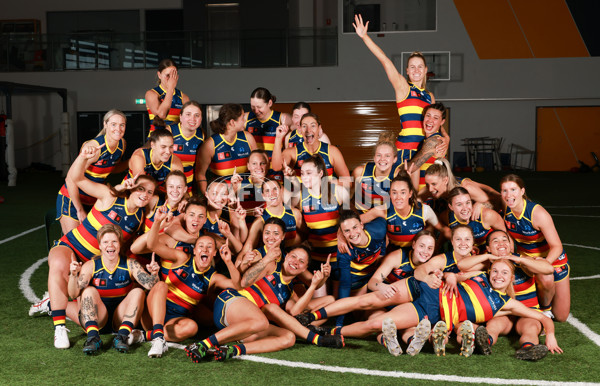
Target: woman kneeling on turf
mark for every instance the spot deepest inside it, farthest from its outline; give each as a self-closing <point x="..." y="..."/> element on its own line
<point x="105" y="287"/>
<point x="242" y="315"/>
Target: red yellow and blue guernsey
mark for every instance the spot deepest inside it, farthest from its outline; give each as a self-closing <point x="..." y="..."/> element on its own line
<point x="530" y="241"/>
<point x="187" y="248"/>
<point x="427" y="163"/>
<point x="373" y="191"/>
<point x="187" y="285"/>
<point x="405" y="270"/>
<point x="525" y="289"/>
<point x="230" y="156"/>
<point x="82" y="240"/>
<point x="159" y="173"/>
<point x="357" y="266"/>
<point x="410" y="111"/>
<point x="264" y="131"/>
<point x="98" y="171"/>
<point x="477" y="301"/>
<point x="174" y="111"/>
<point x="322" y="219"/>
<point x="480" y="232"/>
<point x="250" y="196"/>
<point x="113" y="285"/>
<point x="290" y="223"/>
<point x="271" y="289"/>
<point x="302" y="154"/>
<point x="212" y="224"/>
<point x="150" y="218"/>
<point x="185" y="148"/>
<point x="402" y="230"/>
<point x="295" y="138"/>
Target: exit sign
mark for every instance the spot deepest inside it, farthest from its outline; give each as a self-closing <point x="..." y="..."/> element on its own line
<point x="140" y="101"/>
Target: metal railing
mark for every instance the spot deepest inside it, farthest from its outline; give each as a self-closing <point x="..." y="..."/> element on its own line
<point x="305" y="47"/>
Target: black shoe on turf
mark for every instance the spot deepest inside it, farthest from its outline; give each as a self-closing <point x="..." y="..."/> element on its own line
<point x="92" y="345"/>
<point x="481" y="341"/>
<point x="120" y="344"/>
<point x="319" y="330"/>
<point x="196" y="352"/>
<point x="305" y="318"/>
<point x="332" y="341"/>
<point x="222" y="353"/>
<point x="532" y="353"/>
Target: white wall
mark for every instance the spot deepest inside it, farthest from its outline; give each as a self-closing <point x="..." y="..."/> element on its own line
<point x="472" y="95"/>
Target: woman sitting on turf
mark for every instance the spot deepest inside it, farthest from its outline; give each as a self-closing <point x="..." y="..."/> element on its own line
<point x="244" y="315"/>
<point x="188" y="275"/>
<point x="500" y="246"/>
<point x="479" y="299"/>
<point x="533" y="230"/>
<point x="104" y="288"/>
<point x="123" y="205"/>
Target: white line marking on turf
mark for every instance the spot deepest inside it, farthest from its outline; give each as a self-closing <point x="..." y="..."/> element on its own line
<point x="586" y="277"/>
<point x="585" y="330"/>
<point x="21" y="234"/>
<point x="24" y="281"/>
<point x="401" y="374"/>
<point x="25" y="287"/>
<point x="582" y="246"/>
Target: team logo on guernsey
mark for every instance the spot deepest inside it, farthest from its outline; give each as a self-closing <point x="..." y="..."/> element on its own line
<point x="394" y="228"/>
<point x="414" y="94"/>
<point x="223" y="155"/>
<point x="480" y="281"/>
<point x="251" y="129"/>
<point x="104" y="162"/>
<point x="99" y="282"/>
<point x="308" y="208"/>
<point x="179" y="147"/>
<point x="511" y="225"/>
<point x="182" y="273"/>
<point x="114" y="215"/>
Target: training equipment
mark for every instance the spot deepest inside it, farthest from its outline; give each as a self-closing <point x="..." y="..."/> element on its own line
<point x="467" y="334"/>
<point x="439" y="334"/>
<point x="159" y="347"/>
<point x="61" y="338"/>
<point x="481" y="341"/>
<point x="92" y="345"/>
<point x="421" y="336"/>
<point x="136" y="336"/>
<point x="390" y="337"/>
<point x="42" y="307"/>
<point x="532" y="353"/>
<point x="120" y="344"/>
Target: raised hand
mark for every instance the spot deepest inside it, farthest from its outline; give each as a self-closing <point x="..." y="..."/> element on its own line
<point x="153" y="267"/>
<point x="225" y="252"/>
<point x="75" y="266"/>
<point x="326" y="267"/>
<point x="282" y="131"/>
<point x="91" y="151"/>
<point x="360" y="27"/>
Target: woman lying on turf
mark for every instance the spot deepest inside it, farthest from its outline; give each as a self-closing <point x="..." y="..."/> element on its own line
<point x="105" y="291"/>
<point x="388" y="283"/>
<point x="123" y="205"/>
<point x="188" y="275"/>
<point x="244" y="315"/>
<point x="533" y="230"/>
<point x="499" y="246"/>
<point x="479" y="299"/>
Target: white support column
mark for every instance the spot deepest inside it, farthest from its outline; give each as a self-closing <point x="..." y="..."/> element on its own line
<point x="10" y="153"/>
<point x="65" y="135"/>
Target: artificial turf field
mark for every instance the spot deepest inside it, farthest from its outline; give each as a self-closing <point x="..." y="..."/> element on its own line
<point x="28" y="355"/>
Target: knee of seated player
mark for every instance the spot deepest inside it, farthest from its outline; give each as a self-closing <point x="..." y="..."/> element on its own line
<point x="287" y="338"/>
<point x="90" y="292"/>
<point x="186" y="327"/>
<point x="59" y="261"/>
<point x="546" y="282"/>
<point x="137" y="295"/>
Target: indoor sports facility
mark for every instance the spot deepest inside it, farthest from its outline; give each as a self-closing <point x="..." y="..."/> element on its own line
<point x="495" y="71"/>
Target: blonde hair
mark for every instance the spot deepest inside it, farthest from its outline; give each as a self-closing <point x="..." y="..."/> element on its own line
<point x="510" y="291"/>
<point x="442" y="168"/>
<point x="387" y="138"/>
<point x="107" y="116"/>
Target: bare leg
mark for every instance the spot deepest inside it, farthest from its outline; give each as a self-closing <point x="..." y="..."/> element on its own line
<point x="272" y="339"/>
<point x="529" y="329"/>
<point x="403" y="315"/>
<point x="499" y="325"/>
<point x="92" y="308"/>
<point x="67" y="224"/>
<point x="545" y="288"/>
<point x="130" y="309"/>
<point x="561" y="304"/>
<point x="58" y="275"/>
<point x="244" y="319"/>
<point x="179" y="329"/>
